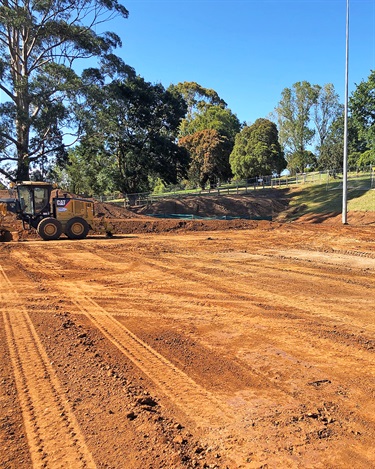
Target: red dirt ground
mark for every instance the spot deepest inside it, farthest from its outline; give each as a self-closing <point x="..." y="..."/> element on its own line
<point x="190" y="344"/>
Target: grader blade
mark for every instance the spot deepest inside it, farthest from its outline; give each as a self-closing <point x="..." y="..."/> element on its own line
<point x="5" y="234"/>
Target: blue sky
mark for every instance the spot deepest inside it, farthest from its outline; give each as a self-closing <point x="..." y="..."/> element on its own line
<point x="248" y="50"/>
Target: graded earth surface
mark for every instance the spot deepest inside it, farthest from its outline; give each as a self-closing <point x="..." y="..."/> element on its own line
<point x="189" y="344"/>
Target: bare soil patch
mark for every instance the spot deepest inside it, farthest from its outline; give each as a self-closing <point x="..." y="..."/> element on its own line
<point x="246" y="346"/>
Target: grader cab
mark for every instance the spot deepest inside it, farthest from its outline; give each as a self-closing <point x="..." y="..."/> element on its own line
<point x="50" y="216"/>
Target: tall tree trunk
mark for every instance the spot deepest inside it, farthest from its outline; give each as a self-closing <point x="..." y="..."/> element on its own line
<point x="23" y="136"/>
<point x="23" y="168"/>
<point x="20" y="78"/>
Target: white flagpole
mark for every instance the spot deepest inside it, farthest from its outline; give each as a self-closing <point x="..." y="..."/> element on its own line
<point x="345" y="161"/>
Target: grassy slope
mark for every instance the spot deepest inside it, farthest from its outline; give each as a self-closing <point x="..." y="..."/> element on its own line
<point x="323" y="198"/>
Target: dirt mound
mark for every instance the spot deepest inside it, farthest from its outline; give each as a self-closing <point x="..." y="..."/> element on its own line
<point x="150" y="225"/>
<point x="11" y="229"/>
<point x="110" y="210"/>
<point x="263" y="204"/>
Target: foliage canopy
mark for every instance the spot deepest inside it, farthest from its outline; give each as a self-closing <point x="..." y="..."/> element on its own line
<point x="39" y="42"/>
<point x="209" y="156"/>
<point x="362" y="107"/>
<point x="134" y="124"/>
<point x="305" y="115"/>
<point x="257" y="151"/>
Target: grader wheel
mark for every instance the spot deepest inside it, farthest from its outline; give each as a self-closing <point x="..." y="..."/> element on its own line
<point x="5" y="236"/>
<point x="49" y="229"/>
<point x="77" y="228"/>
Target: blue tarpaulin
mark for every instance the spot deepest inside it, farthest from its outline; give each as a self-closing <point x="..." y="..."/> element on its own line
<point x="190" y="216"/>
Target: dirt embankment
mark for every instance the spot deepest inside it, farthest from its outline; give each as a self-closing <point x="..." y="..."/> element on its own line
<point x="250" y="209"/>
<point x="246" y="210"/>
<point x="261" y="204"/>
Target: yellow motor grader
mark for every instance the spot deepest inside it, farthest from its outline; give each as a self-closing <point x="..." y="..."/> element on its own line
<point x="50" y="216"/>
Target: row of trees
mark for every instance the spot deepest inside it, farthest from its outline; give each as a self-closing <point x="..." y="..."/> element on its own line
<point x="311" y="124"/>
<point x="108" y="129"/>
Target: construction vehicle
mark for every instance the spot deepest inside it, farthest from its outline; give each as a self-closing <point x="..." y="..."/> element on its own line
<point x="51" y="216"/>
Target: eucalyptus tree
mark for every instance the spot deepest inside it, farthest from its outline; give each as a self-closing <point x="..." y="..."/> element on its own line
<point x="294" y="118"/>
<point x="216" y="118"/>
<point x="205" y="110"/>
<point x="197" y="99"/>
<point x="40" y="43"/>
<point x="305" y="115"/>
<point x="326" y="113"/>
<point x="326" y="109"/>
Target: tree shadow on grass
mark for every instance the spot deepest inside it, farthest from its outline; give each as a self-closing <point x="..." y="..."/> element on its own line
<point x="319" y="203"/>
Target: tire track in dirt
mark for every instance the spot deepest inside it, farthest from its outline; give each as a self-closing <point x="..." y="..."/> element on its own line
<point x="205" y="276"/>
<point x="235" y="280"/>
<point x="62" y="263"/>
<point x="307" y="262"/>
<point x="231" y="293"/>
<point x="233" y="273"/>
<point x="235" y="289"/>
<point x="53" y="433"/>
<point x="185" y="300"/>
<point x="236" y="292"/>
<point x="222" y="422"/>
<point x="199" y="404"/>
<point x="305" y="337"/>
